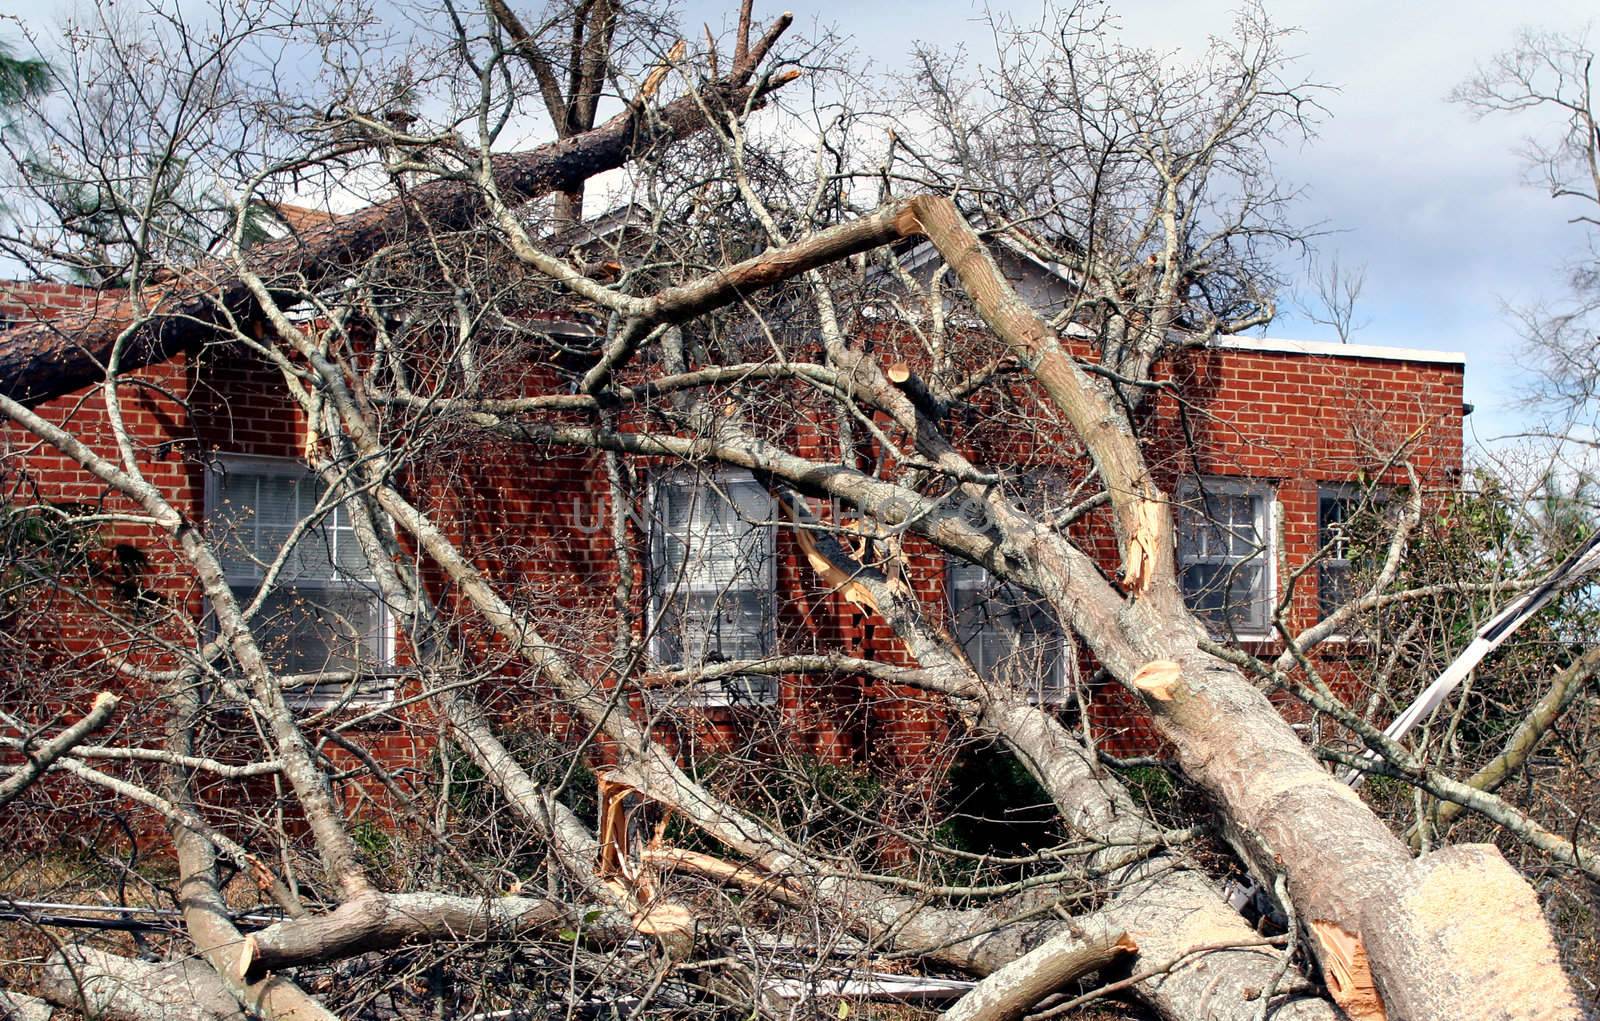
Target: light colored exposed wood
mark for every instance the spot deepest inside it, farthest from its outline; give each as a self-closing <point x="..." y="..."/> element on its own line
<point x="1348" y="975"/>
<point x="658" y="74"/>
<point x="843" y="578"/>
<point x="1144" y="547"/>
<point x="1468" y="906"/>
<point x="630" y="872"/>
<point x="613" y="827"/>
<point x="247" y="957"/>
<point x="1159" y="679"/>
<point x="741" y="874"/>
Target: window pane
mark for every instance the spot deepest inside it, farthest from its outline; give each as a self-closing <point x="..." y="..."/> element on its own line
<point x="276" y="511"/>
<point x="1010" y="635"/>
<point x="712" y="581"/>
<point x="232" y="523"/>
<point x="319" y="616"/>
<point x="1335" y="586"/>
<point x="1335" y="572"/>
<point x="1333" y="514"/>
<point x="1222" y="554"/>
<point x="303" y="631"/>
<point x="1226" y="594"/>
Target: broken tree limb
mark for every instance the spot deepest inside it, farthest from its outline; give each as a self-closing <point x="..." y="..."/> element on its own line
<point x="206" y="915"/>
<point x="99" y="984"/>
<point x="915" y="989"/>
<point x="1139" y="565"/>
<point x="1106" y="434"/>
<point x="386" y="921"/>
<point x="1166" y="909"/>
<point x="1280" y="808"/>
<point x="1526" y="737"/>
<point x="1016" y="988"/>
<point x="1283" y="813"/>
<point x="40" y="760"/>
<point x="48" y="359"/>
<point x="747" y="877"/>
<point x="828" y="557"/>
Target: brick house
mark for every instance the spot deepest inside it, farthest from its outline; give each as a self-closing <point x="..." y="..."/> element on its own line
<point x="1264" y="445"/>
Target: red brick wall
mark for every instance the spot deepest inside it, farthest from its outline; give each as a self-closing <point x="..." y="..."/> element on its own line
<point x="1296" y="420"/>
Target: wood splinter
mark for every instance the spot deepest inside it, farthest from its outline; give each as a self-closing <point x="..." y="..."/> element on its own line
<point x="1144" y="547"/>
<point x="1344" y="966"/>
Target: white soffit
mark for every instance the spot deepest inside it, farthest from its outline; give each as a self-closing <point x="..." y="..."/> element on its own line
<point x="1332" y="349"/>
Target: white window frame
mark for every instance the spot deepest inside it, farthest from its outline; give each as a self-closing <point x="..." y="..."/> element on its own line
<point x="377" y="687"/>
<point x="1191" y="490"/>
<point x="719" y="693"/>
<point x="1055" y="689"/>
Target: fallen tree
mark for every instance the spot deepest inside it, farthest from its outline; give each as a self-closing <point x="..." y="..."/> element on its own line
<point x="711" y="335"/>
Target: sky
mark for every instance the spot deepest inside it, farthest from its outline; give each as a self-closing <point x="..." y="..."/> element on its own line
<point x="1431" y="201"/>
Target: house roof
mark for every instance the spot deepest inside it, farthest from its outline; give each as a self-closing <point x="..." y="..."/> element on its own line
<point x="1333" y="349"/>
<point x="921" y="253"/>
<point x="300" y="218"/>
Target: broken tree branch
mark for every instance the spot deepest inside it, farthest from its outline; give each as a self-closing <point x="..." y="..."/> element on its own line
<point x="40" y="760"/>
<point x="48" y="359"/>
<point x="384" y="921"/>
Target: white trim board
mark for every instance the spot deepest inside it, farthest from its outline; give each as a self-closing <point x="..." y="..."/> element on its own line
<point x="1333" y="349"/>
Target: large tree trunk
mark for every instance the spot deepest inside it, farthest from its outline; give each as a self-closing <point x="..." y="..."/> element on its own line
<point x="1284" y="812"/>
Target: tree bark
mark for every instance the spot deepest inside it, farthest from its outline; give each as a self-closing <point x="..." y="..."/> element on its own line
<point x="386" y="921"/>
<point x="21" y="1007"/>
<point x="100" y="984"/>
<point x="205" y="913"/>
<point x="1284" y="813"/>
<point x="40" y="759"/>
<point x="1017" y="987"/>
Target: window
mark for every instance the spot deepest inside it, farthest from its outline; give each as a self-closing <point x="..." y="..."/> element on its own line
<point x="323" y="613"/>
<point x="1336" y="506"/>
<point x="712" y="582"/>
<point x="1009" y="634"/>
<point x="1224" y="546"/>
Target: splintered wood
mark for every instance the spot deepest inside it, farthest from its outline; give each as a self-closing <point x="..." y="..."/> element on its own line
<point x="613" y="827"/>
<point x="1349" y="978"/>
<point x="1144" y="547"/>
<point x="835" y="569"/>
